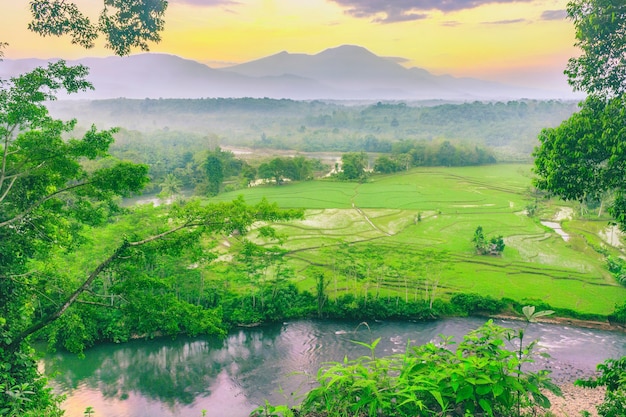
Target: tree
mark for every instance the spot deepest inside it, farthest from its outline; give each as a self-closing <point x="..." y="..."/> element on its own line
<point x="492" y="246"/>
<point x="215" y="173"/>
<point x="126" y="24"/>
<point x="48" y="197"/>
<point x="583" y="158"/>
<point x="353" y="165"/>
<point x="386" y="165"/>
<point x="601" y="35"/>
<point x="170" y="185"/>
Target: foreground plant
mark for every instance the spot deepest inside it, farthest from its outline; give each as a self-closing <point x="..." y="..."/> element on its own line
<point x="480" y="378"/>
<point x="613" y="378"/>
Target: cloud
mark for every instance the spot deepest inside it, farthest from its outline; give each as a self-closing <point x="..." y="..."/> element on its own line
<point x="386" y="11"/>
<point x="206" y="3"/>
<point x="505" y="22"/>
<point x="554" y="15"/>
<point x="451" y="23"/>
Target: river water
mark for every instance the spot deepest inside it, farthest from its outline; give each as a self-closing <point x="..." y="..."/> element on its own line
<point x="230" y="377"/>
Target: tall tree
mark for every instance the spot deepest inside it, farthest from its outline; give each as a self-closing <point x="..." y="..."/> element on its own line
<point x="601" y="35"/>
<point x="215" y="173"/>
<point x="47" y="197"/>
<point x="585" y="157"/>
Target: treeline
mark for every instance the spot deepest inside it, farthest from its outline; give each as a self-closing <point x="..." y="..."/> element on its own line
<point x="184" y="161"/>
<point x="407" y="154"/>
<point x="510" y="127"/>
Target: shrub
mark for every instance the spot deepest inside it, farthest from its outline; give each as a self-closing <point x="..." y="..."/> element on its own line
<point x="480" y="378"/>
<point x="613" y="377"/>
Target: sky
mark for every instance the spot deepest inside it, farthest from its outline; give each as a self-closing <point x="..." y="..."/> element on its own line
<point x="520" y="42"/>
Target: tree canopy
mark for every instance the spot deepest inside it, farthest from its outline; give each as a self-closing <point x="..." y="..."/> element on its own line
<point x="53" y="187"/>
<point x="125" y="24"/>
<point x="584" y="158"/>
<point x="601" y="35"/>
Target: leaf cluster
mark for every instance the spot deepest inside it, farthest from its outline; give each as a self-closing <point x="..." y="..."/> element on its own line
<point x="480" y="378"/>
<point x="601" y="35"/>
<point x="613" y="377"/>
<point x="126" y="24"/>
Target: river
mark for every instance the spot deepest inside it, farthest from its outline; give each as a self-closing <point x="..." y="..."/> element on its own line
<point x="230" y="377"/>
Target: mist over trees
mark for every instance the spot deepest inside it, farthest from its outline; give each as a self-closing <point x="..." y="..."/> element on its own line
<point x="510" y="129"/>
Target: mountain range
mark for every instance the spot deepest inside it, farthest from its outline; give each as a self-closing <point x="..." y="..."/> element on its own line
<point x="346" y="72"/>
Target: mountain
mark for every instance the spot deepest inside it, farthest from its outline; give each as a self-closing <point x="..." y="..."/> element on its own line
<point x="344" y="73"/>
<point x="168" y="76"/>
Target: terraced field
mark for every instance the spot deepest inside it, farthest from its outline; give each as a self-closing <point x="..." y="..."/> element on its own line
<point x="409" y="236"/>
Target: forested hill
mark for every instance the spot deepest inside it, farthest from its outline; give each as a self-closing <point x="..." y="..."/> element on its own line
<point x="509" y="128"/>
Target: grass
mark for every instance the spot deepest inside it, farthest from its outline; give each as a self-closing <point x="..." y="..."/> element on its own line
<point x="393" y="254"/>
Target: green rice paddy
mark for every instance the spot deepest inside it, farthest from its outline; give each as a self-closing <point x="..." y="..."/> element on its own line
<point x="409" y="235"/>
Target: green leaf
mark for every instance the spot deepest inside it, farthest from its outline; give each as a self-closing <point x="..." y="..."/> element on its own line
<point x="483" y="389"/>
<point x="465" y="393"/>
<point x="486" y="405"/>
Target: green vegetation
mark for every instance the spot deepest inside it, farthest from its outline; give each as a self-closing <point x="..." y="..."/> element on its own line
<point x="482" y="377"/>
<point x="125" y="24"/>
<point x="367" y="239"/>
<point x="484" y="246"/>
<point x="54" y="188"/>
<point x="582" y="159"/>
<point x="612" y="376"/>
<point x="506" y="130"/>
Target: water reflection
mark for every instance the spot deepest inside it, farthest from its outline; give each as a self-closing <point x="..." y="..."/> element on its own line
<point x="230" y="377"/>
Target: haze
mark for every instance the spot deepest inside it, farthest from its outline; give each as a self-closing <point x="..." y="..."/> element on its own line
<point x="525" y="43"/>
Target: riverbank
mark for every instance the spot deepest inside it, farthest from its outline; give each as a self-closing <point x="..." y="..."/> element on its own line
<point x="575" y="400"/>
<point x="566" y="321"/>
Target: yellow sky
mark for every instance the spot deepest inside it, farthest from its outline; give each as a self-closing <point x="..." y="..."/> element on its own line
<point x="504" y="40"/>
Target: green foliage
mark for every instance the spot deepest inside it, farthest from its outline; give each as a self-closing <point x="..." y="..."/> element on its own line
<point x="476" y="303"/>
<point x="492" y="246"/>
<point x="582" y="158"/>
<point x="613" y="378"/>
<point x="53" y="188"/>
<point x="353" y="166"/>
<point x="601" y="68"/>
<point x="47" y="197"/>
<point x="277" y="169"/>
<point x="480" y="378"/>
<point x="125" y="23"/>
<point x="619" y="314"/>
<point x="617" y="266"/>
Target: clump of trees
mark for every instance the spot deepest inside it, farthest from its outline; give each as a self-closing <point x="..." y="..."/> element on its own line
<point x="298" y="168"/>
<point x="487" y="246"/>
<point x="353" y="166"/>
<point x="407" y="154"/>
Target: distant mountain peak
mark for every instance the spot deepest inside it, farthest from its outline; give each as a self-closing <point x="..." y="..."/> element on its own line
<point x="344" y="72"/>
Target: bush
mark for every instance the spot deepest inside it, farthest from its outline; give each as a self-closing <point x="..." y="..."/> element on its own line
<point x="476" y="303"/>
<point x="613" y="377"/>
<point x="480" y="378"/>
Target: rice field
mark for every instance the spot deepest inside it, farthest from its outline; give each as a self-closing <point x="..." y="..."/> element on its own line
<point x="410" y="234"/>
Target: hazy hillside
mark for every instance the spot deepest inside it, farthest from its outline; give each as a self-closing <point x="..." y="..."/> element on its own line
<point x="511" y="128"/>
<point x="342" y="73"/>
